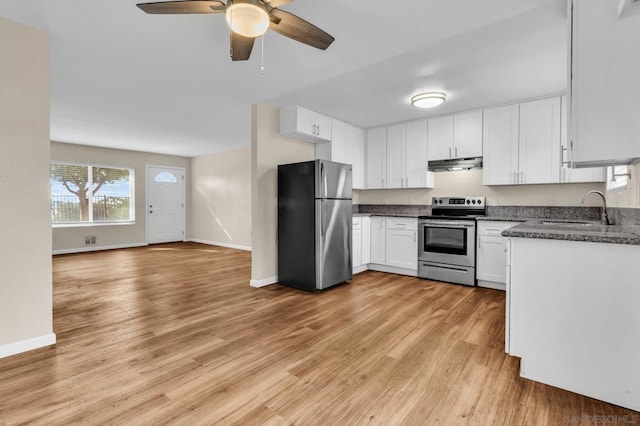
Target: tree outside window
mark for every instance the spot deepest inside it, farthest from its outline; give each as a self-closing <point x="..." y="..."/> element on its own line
<point x="83" y="193"/>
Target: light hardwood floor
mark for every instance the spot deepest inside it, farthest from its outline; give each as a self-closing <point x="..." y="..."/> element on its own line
<point x="174" y="334"/>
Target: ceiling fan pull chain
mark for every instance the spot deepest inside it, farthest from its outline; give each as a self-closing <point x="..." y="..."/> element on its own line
<point x="262" y="66"/>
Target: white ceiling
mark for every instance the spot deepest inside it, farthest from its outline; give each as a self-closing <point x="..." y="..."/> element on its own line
<point x="124" y="79"/>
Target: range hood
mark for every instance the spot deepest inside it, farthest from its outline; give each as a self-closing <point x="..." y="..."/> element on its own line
<point x="454" y="165"/>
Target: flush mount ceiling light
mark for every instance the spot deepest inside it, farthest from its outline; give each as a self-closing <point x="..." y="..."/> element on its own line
<point x="247" y="19"/>
<point x="428" y="100"/>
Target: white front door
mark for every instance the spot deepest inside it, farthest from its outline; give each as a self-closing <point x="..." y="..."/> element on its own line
<point x="165" y="204"/>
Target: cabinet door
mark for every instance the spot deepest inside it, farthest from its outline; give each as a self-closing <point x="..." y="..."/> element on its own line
<point x="440" y="137"/>
<point x="355" y="154"/>
<point x="604" y="87"/>
<point x="366" y="240"/>
<point x="568" y="175"/>
<point x="378" y="240"/>
<point x="539" y="154"/>
<point x="467" y="135"/>
<point x="356" y="242"/>
<point x="396" y="139"/>
<point x="305" y="121"/>
<point x="500" y="145"/>
<point x="492" y="259"/>
<point x="402" y="248"/>
<point x="323" y="126"/>
<point x="338" y="141"/>
<point x="376" y="158"/>
<point x="416" y="155"/>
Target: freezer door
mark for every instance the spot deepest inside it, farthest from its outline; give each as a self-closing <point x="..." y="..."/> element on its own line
<point x="333" y="180"/>
<point x="333" y="242"/>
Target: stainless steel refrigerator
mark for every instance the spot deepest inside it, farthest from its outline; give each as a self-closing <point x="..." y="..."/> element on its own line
<point x="314" y="224"/>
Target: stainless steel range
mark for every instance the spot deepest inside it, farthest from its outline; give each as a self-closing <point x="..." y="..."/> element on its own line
<point x="447" y="240"/>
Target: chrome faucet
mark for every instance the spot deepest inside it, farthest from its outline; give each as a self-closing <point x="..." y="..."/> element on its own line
<point x="605" y="217"/>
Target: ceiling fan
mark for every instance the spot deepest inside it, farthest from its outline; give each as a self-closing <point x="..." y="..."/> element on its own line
<point x="249" y="19"/>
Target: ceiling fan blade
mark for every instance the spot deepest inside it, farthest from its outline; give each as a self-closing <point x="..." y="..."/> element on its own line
<point x="187" y="6"/>
<point x="241" y="47"/>
<point x="277" y="3"/>
<point x="300" y="30"/>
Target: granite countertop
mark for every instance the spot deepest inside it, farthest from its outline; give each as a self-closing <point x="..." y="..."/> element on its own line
<point x="588" y="231"/>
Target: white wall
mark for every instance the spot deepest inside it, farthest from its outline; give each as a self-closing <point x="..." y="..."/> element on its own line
<point x="25" y="226"/>
<point x="220" y="208"/>
<point x="469" y="183"/>
<point x="268" y="149"/>
<point x="72" y="238"/>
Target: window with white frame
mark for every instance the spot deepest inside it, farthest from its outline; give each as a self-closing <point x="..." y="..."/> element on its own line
<point x="82" y="193"/>
<point x="617" y="178"/>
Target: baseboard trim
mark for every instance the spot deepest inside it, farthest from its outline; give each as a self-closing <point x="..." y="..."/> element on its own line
<point x="217" y="243"/>
<point x="393" y="270"/>
<point x="360" y="268"/>
<point x="27" y="345"/>
<point x="98" y="248"/>
<point x="492" y="285"/>
<point x="263" y="283"/>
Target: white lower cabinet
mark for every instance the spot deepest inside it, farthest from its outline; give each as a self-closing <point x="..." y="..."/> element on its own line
<point x="366" y="240"/>
<point x="361" y="243"/>
<point x="378" y="245"/>
<point x="356" y="243"/>
<point x="387" y="244"/>
<point x="402" y="243"/>
<point x="491" y="267"/>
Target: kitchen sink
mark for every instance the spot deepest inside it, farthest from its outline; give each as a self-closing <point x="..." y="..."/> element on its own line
<point x="569" y="222"/>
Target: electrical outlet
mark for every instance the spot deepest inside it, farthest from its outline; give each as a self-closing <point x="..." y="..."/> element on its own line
<point x="93" y="240"/>
<point x="87" y="240"/>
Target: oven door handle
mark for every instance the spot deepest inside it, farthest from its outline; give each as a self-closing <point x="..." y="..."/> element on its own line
<point x="448" y="224"/>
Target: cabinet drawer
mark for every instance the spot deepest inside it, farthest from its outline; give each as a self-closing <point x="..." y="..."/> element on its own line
<point x="409" y="224"/>
<point x="494" y="228"/>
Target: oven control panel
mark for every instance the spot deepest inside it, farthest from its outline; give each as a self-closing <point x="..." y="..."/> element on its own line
<point x="458" y="202"/>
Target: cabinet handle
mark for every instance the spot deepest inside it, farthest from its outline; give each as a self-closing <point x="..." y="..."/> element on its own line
<point x="415" y="236"/>
<point x="479" y="243"/>
<point x="449" y="152"/>
<point x="456" y="149"/>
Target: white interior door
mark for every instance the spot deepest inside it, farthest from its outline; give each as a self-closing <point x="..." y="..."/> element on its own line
<point x="165" y="204"/>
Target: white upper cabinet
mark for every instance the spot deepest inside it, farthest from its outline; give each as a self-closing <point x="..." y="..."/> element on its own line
<point x="396" y="141"/>
<point x="416" y="174"/>
<point x="569" y="175"/>
<point x="338" y="141"/>
<point x="522" y="143"/>
<point x="376" y="158"/>
<point x="354" y="154"/>
<point x="539" y="145"/>
<point x="440" y="138"/>
<point x="304" y="124"/>
<point x="604" y="86"/>
<point x="346" y="146"/>
<point x="467" y="134"/>
<point x="407" y="156"/>
<point x="500" y="145"/>
<point x="455" y="136"/>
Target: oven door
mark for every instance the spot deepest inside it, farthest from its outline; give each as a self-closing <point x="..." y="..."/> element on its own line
<point x="447" y="241"/>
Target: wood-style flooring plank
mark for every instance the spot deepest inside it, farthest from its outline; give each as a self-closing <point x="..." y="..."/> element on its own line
<point x="173" y="334"/>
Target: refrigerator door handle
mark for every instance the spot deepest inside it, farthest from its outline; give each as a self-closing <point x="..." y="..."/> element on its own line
<point x="323" y="218"/>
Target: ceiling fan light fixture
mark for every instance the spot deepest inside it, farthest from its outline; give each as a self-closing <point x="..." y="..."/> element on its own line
<point x="428" y="99"/>
<point x="247" y="19"/>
